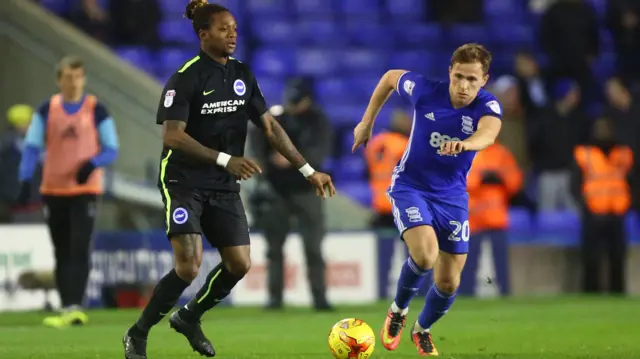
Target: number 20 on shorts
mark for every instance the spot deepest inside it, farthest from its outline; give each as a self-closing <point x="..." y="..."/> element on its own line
<point x="460" y="231"/>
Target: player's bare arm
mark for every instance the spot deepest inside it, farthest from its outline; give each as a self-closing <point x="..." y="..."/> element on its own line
<point x="175" y="137"/>
<point x="280" y="141"/>
<point x="485" y="136"/>
<point x="387" y="84"/>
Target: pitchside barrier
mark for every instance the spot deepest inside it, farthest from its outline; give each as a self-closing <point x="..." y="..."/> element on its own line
<point x="536" y="256"/>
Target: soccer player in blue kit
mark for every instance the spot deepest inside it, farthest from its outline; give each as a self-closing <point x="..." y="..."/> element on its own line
<point x="452" y="121"/>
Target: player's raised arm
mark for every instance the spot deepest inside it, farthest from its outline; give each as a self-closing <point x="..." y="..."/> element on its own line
<point x="387" y="84"/>
<point x="485" y="135"/>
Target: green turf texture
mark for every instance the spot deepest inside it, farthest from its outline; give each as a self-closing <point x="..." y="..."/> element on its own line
<point x="558" y="328"/>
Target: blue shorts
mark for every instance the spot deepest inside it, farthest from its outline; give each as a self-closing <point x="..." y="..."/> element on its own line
<point x="449" y="217"/>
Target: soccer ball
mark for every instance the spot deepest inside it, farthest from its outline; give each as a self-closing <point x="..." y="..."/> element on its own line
<point x="351" y="338"/>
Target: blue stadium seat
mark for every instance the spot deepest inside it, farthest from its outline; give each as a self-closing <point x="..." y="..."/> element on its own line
<point x="365" y="32"/>
<point x="633" y="226"/>
<point x="274" y="62"/>
<point x="462" y="34"/>
<point x="428" y="36"/>
<point x="345" y="115"/>
<point x="352" y="168"/>
<point x="333" y="89"/>
<point x="272" y="89"/>
<point x="319" y="32"/>
<point x="314" y="7"/>
<point x="364" y="61"/>
<point x="520" y="218"/>
<point x="504" y="10"/>
<point x="173" y="9"/>
<point x="266" y="7"/>
<point x="359" y="191"/>
<point x="55" y="6"/>
<point x="274" y="31"/>
<point x="138" y="57"/>
<point x="406" y="9"/>
<point x="174" y="58"/>
<point x="178" y="30"/>
<point x="317" y="61"/>
<point x="421" y="61"/>
<point x="360" y="7"/>
<point x="512" y="34"/>
<point x="558" y="220"/>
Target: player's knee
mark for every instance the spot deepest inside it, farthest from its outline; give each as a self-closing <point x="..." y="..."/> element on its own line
<point x="447" y="284"/>
<point x="423" y="246"/>
<point x="239" y="266"/>
<point x="423" y="258"/>
<point x="188" y="271"/>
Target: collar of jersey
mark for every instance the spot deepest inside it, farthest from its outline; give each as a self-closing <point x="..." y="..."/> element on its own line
<point x="211" y="61"/>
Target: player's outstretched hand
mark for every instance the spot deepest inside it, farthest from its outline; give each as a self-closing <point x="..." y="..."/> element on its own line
<point x="452" y="147"/>
<point x="361" y="135"/>
<point x="242" y="167"/>
<point x="323" y="183"/>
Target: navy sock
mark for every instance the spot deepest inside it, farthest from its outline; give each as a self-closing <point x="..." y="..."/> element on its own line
<point x="411" y="278"/>
<point x="435" y="307"/>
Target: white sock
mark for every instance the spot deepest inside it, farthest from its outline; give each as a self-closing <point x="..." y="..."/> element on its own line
<point x="396" y="309"/>
<point x="418" y="329"/>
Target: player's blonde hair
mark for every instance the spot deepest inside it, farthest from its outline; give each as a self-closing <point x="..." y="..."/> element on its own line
<point x="470" y="53"/>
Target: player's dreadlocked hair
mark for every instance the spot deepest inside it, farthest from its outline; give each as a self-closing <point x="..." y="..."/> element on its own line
<point x="200" y="13"/>
<point x="470" y="53"/>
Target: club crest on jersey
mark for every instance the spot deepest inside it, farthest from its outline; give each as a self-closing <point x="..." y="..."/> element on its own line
<point x="467" y="125"/>
<point x="494" y="106"/>
<point x="239" y="87"/>
<point x="408" y="86"/>
<point x="168" y="98"/>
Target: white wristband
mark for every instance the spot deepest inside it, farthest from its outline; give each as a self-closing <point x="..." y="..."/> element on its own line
<point x="306" y="170"/>
<point x="223" y="159"/>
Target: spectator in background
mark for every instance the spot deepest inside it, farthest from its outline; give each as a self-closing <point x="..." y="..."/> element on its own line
<point x="135" y="22"/>
<point x="493" y="180"/>
<point x="600" y="181"/>
<point x="623" y="108"/>
<point x="89" y="16"/>
<point x="570" y="38"/>
<point x="292" y="195"/>
<point x="553" y="136"/>
<point x="382" y="154"/>
<point x="623" y="19"/>
<point x="532" y="84"/>
<point x="11" y="147"/>
<point x="619" y="109"/>
<point x="455" y="11"/>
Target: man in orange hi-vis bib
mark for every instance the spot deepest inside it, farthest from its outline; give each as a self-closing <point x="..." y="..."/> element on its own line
<point x="600" y="182"/>
<point x="382" y="155"/>
<point x="79" y="138"/>
<point x="493" y="180"/>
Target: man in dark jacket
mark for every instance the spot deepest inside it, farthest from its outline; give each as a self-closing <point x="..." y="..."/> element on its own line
<point x="291" y="196"/>
<point x="553" y="135"/>
<point x="569" y="36"/>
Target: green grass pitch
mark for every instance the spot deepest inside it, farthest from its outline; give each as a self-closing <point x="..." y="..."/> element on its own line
<point x="558" y="328"/>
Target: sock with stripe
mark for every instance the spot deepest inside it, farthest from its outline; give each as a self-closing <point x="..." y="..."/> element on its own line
<point x="436" y="305"/>
<point x="411" y="278"/>
<point x="219" y="284"/>
<point x="164" y="298"/>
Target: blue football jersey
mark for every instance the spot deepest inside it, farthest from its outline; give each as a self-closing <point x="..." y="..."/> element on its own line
<point x="434" y="122"/>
